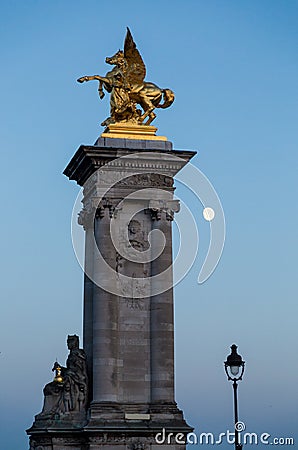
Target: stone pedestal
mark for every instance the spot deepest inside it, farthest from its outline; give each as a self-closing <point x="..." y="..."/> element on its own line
<point x="127" y="214"/>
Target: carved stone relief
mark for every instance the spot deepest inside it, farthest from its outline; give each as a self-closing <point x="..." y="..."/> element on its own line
<point x="137" y="285"/>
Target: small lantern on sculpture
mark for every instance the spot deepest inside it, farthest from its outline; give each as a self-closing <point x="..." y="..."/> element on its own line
<point x="58" y="377"/>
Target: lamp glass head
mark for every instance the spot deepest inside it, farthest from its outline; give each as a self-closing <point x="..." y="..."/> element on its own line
<point x="234" y="370"/>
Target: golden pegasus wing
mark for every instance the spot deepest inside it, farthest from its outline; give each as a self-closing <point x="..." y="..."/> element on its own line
<point x="136" y="69"/>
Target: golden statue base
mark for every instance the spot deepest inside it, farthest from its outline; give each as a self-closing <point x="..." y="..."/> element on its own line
<point x="132" y="131"/>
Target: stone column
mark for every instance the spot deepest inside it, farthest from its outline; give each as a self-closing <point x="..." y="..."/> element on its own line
<point x="105" y="316"/>
<point x="162" y="316"/>
<point x="86" y="219"/>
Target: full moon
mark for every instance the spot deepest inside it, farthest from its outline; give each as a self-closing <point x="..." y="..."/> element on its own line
<point x="208" y="214"/>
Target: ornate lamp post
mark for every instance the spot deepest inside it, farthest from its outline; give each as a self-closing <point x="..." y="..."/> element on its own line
<point x="234" y="367"/>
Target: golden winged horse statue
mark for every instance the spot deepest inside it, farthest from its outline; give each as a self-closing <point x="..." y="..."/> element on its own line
<point x="128" y="88"/>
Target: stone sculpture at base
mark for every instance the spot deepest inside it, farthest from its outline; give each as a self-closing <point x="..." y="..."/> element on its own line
<point x="65" y="398"/>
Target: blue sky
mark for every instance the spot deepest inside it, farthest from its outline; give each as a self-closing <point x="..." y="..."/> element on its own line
<point x="233" y="67"/>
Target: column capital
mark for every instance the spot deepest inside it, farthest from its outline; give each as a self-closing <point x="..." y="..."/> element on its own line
<point x="169" y="207"/>
<point x="97" y="208"/>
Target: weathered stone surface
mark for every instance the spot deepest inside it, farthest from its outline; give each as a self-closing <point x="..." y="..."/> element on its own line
<point x="135" y="144"/>
<point x="89" y="158"/>
<point x="128" y="310"/>
<point x="117" y="439"/>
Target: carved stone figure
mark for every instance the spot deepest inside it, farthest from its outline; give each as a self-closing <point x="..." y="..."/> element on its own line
<point x="69" y="390"/>
<point x="137" y="285"/>
<point x="126" y="84"/>
<point x="136" y="236"/>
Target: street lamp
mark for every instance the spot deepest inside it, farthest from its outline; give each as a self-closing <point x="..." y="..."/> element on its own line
<point x="234" y="367"/>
